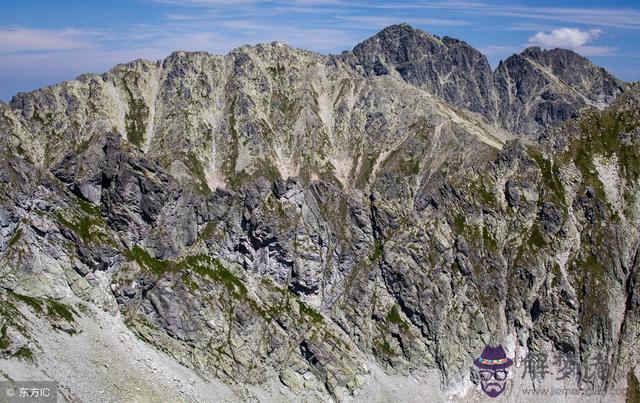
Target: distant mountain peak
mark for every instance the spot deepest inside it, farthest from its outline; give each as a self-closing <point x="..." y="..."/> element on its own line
<point x="511" y="96"/>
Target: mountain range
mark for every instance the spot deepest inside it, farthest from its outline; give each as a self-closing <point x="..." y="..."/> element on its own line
<point x="278" y="224"/>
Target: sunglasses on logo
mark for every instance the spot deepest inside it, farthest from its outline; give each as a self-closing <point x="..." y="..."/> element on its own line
<point x="499" y="375"/>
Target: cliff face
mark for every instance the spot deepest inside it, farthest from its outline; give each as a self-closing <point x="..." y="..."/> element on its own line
<point x="538" y="88"/>
<point x="279" y="214"/>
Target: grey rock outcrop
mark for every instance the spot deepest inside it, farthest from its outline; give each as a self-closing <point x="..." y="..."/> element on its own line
<point x="538" y="88"/>
<point x="446" y="67"/>
<point x="279" y="214"/>
<point x="527" y="92"/>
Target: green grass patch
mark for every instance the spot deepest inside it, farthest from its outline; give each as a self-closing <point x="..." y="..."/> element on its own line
<point x="200" y="264"/>
<point x="536" y="240"/>
<point x="59" y="310"/>
<point x="54" y="309"/>
<point x="489" y="242"/>
<point x="208" y="231"/>
<point x="223" y="276"/>
<point x="188" y="281"/>
<point x="385" y="348"/>
<point x="261" y="167"/>
<point x="313" y="315"/>
<point x="459" y="223"/>
<point x="24" y="353"/>
<point x="89" y="227"/>
<point x="409" y="167"/>
<point x="591" y="265"/>
<point x="479" y="187"/>
<point x="142" y="257"/>
<point x="231" y="156"/>
<point x="15" y="237"/>
<point x="135" y="121"/>
<point x="394" y="316"/>
<point x="550" y="176"/>
<point x="275" y="206"/>
<point x="34" y="303"/>
<point x="5" y="343"/>
<point x="89" y="208"/>
<point x="366" y="170"/>
<point x="633" y="388"/>
<point x="601" y="130"/>
<point x="197" y="170"/>
<point x="378" y="249"/>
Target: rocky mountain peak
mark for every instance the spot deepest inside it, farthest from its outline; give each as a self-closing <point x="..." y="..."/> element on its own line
<point x="538" y="88"/>
<point x="528" y="91"/>
<point x="448" y="68"/>
<point x="277" y="216"/>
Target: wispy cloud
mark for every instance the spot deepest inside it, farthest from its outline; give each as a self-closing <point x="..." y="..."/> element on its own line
<point x="29" y="39"/>
<point x="497" y="27"/>
<point x="217" y="3"/>
<point x="527" y="26"/>
<point x="614" y="17"/>
<point x="611" y="17"/>
<point x="498" y="50"/>
<point x="384" y="21"/>
<point x="571" y="38"/>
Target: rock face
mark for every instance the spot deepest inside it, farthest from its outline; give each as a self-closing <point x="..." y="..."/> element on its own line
<point x="527" y="92"/>
<point x="446" y="67"/>
<point x="275" y="214"/>
<point x="538" y="88"/>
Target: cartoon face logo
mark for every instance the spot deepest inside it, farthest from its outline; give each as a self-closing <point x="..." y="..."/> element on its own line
<point x="492" y="368"/>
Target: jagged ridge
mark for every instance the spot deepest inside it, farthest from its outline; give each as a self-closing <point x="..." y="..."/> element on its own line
<point x="358" y="218"/>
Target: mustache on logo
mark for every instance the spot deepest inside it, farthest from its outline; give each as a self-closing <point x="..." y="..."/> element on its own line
<point x="493" y="389"/>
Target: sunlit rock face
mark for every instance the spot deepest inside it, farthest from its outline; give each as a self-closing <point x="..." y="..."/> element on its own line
<point x="277" y="215"/>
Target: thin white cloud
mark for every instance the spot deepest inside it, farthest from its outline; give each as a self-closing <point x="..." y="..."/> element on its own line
<point x="382" y="21"/>
<point x="497" y="50"/>
<point x="191" y="41"/>
<point x="30" y="39"/>
<point x="564" y="38"/>
<point x="227" y="3"/>
<point x="570" y="38"/>
<point x="233" y="32"/>
<point x="326" y="26"/>
<point x="527" y="26"/>
<point x="613" y="17"/>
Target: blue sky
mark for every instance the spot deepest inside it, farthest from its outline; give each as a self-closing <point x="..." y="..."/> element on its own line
<point x="44" y="42"/>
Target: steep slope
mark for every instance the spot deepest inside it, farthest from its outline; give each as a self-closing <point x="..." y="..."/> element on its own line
<point x="527" y="92"/>
<point x="276" y="214"/>
<point x="446" y="67"/>
<point x="220" y="120"/>
<point x="538" y="88"/>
